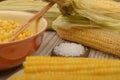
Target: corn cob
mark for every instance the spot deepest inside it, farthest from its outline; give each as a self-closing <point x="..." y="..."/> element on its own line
<point x="64" y="76"/>
<point x="56" y="64"/>
<point x="99" y="39"/>
<point x="61" y="68"/>
<point x="96" y="14"/>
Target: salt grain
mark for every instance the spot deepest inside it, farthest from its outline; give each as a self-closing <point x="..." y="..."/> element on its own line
<point x="69" y="49"/>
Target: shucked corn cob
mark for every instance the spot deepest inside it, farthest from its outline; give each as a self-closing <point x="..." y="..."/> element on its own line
<point x="65" y="76"/>
<point x="100" y="39"/>
<point x="61" y="68"/>
<point x="39" y="64"/>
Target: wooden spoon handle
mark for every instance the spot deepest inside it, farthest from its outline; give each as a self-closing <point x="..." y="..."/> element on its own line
<point x="36" y="16"/>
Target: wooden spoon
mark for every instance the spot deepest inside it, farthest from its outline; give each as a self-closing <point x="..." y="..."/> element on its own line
<point x="36" y="16"/>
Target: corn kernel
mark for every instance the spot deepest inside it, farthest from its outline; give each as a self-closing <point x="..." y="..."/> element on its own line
<point x="6" y="29"/>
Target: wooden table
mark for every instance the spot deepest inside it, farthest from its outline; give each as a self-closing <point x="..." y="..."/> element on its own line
<point x="51" y="39"/>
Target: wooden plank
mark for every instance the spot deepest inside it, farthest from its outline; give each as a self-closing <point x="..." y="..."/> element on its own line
<point x="101" y="55"/>
<point x="51" y="39"/>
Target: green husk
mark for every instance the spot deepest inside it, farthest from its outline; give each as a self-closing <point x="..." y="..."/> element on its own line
<point x="96" y="13"/>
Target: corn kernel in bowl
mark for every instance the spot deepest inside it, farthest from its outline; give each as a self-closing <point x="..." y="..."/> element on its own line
<point x="7" y="27"/>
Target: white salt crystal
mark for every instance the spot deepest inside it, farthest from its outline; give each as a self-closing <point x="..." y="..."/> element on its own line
<point x="69" y="49"/>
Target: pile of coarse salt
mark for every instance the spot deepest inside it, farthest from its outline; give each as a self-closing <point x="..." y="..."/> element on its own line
<point x="69" y="49"/>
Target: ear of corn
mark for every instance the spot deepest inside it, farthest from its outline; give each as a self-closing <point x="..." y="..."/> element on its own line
<point x="99" y="39"/>
<point x="60" y="64"/>
<point x="92" y="24"/>
<point x="61" y="68"/>
<point x="64" y="76"/>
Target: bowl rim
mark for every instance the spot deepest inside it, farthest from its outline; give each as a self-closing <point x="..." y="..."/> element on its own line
<point x="27" y="38"/>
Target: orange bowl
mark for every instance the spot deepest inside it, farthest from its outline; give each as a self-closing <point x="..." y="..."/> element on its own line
<point x="14" y="53"/>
